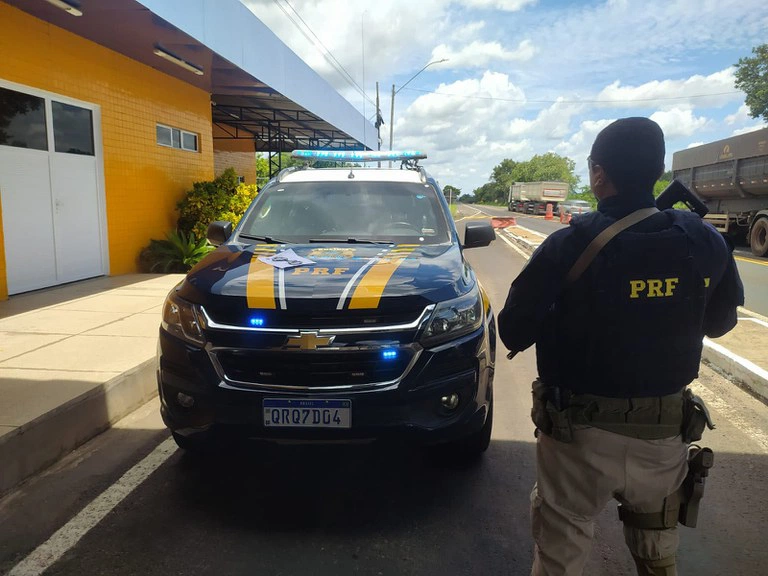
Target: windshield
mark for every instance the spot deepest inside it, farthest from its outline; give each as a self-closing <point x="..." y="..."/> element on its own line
<point x="301" y="212"/>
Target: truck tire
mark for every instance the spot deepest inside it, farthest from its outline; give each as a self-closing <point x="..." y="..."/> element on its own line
<point x="758" y="237"/>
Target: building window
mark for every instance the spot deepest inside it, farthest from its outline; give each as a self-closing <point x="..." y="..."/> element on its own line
<point x="241" y="179"/>
<point x="72" y="129"/>
<point x="176" y="138"/>
<point x="22" y="120"/>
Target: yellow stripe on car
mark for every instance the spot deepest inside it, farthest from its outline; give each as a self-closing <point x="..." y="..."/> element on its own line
<point x="260" y="285"/>
<point x="371" y="287"/>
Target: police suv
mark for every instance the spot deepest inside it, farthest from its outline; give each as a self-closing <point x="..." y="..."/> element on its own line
<point x="341" y="307"/>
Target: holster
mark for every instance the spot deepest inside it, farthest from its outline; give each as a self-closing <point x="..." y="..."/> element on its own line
<point x="695" y="417"/>
<point x="549" y="412"/>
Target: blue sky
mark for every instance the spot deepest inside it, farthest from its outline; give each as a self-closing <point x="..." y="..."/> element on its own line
<point x="525" y="77"/>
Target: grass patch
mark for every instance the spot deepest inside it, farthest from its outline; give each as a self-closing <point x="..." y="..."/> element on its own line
<point x="454" y="210"/>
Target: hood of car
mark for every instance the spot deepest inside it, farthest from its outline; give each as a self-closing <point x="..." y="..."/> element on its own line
<point x="237" y="280"/>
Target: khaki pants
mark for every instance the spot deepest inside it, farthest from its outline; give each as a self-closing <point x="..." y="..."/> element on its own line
<point x="575" y="481"/>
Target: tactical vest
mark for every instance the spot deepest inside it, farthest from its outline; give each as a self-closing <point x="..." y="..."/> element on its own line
<point x="631" y="326"/>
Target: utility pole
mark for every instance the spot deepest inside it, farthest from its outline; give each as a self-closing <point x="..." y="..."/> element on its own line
<point x="391" y="121"/>
<point x="378" y="122"/>
<point x="392" y="106"/>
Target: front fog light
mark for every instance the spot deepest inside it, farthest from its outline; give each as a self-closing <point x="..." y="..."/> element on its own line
<point x="185" y="400"/>
<point x="450" y="401"/>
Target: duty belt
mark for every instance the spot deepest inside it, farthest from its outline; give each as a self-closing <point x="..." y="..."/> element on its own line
<point x="556" y="413"/>
<point x="648" y="418"/>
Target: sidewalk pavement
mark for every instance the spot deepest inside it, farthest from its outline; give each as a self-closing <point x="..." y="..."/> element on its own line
<point x="73" y="360"/>
<point x="741" y="355"/>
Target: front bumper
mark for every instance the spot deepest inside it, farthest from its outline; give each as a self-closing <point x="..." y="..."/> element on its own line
<point x="411" y="409"/>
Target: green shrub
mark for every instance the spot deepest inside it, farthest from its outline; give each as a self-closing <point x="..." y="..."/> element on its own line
<point x="222" y="198"/>
<point x="179" y="252"/>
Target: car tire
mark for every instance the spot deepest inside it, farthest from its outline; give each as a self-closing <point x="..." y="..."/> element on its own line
<point x="468" y="450"/>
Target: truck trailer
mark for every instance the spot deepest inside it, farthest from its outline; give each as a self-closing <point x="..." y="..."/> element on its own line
<point x="533" y="197"/>
<point x="731" y="177"/>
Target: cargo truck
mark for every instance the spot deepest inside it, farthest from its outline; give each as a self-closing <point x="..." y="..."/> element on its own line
<point x="731" y="177"/>
<point x="533" y="197"/>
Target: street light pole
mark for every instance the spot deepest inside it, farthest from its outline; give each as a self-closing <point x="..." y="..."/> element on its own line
<point x="392" y="105"/>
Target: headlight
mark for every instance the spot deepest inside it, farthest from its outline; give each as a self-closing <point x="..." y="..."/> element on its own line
<point x="454" y="318"/>
<point x="180" y="319"/>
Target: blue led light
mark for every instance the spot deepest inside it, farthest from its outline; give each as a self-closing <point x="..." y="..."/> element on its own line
<point x="389" y="354"/>
<point x="359" y="156"/>
<point x="257" y="321"/>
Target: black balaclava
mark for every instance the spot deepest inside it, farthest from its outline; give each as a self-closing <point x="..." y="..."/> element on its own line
<point x="631" y="151"/>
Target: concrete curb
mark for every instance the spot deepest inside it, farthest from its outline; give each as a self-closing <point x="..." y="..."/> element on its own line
<point x="41" y="442"/>
<point x="738" y="370"/>
<point x="521" y="242"/>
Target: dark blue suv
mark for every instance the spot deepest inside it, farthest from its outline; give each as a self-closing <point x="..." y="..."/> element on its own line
<point x="341" y="307"/>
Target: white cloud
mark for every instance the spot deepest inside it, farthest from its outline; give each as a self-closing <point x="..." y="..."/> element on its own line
<point x="479" y="54"/>
<point x="739" y="117"/>
<point x="749" y="129"/>
<point x="506" y="5"/>
<point x="678" y="122"/>
<point x="694" y="144"/>
<point x="668" y="94"/>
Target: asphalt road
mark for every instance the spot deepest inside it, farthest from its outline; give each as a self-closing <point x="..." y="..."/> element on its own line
<point x="336" y="511"/>
<point x="753" y="270"/>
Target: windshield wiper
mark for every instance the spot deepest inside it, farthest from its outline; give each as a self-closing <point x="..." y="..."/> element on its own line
<point x="348" y="241"/>
<point x="267" y="239"/>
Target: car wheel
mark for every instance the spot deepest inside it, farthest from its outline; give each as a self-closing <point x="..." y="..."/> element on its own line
<point x="468" y="450"/>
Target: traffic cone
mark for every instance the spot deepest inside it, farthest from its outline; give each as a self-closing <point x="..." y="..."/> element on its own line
<point x="549" y="215"/>
<point x="562" y="217"/>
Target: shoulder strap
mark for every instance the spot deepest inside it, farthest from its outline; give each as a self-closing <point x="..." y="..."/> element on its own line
<point x="599" y="242"/>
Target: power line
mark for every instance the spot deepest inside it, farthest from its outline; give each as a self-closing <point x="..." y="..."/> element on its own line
<point x="325" y="52"/>
<point x="526" y="101"/>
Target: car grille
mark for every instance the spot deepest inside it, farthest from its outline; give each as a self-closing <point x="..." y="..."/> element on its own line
<point x="311" y="369"/>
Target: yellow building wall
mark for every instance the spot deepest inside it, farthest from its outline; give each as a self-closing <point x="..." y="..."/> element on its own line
<point x="143" y="181"/>
<point x="244" y="164"/>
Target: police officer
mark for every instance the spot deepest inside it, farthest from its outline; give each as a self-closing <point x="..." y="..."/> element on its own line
<point x="617" y="305"/>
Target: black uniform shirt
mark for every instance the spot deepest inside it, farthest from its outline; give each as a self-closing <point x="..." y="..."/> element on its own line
<point x="527" y="316"/>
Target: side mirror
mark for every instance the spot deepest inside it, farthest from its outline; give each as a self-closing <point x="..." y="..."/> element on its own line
<point x="219" y="232"/>
<point x="478" y="234"/>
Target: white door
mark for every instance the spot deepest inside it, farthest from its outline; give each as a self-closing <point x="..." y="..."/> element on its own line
<point x="25" y="190"/>
<point x="50" y="187"/>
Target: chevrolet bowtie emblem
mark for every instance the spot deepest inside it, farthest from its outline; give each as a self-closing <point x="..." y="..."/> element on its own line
<point x="309" y="341"/>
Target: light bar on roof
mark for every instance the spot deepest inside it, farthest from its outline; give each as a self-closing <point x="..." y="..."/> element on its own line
<point x="358" y="155"/>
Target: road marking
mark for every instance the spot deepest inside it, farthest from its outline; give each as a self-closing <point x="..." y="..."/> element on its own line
<point x="470" y="215"/>
<point x="750" y="260"/>
<point x="513" y="246"/>
<point x="67" y="537"/>
<point x="733" y="416"/>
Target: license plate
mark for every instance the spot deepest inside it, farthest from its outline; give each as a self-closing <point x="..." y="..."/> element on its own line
<point x="298" y="413"/>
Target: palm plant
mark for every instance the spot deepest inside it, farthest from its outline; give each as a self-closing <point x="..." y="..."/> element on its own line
<point x="179" y="252"/>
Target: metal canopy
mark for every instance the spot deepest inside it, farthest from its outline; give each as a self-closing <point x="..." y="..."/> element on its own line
<point x="260" y="90"/>
<point x="275" y="126"/>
